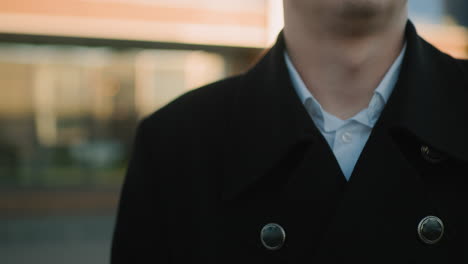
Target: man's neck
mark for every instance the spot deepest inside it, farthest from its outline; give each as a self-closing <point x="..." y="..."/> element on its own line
<point x="342" y="71"/>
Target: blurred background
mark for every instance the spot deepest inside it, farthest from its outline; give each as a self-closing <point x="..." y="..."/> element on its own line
<point x="77" y="75"/>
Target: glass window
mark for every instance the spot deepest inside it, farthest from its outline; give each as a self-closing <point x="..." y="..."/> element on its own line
<point x="67" y="119"/>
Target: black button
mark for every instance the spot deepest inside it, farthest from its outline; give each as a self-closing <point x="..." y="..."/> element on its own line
<point x="431" y="230"/>
<point x="431" y="155"/>
<point x="272" y="236"/>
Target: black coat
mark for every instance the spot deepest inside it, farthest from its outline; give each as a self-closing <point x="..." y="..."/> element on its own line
<point x="213" y="167"/>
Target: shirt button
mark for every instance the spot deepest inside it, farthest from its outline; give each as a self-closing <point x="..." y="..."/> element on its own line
<point x="346" y="137"/>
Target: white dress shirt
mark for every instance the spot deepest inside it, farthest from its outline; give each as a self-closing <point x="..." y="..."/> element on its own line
<point x="347" y="138"/>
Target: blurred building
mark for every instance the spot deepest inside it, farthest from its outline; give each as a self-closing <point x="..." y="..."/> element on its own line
<point x="77" y="75"/>
<point x="441" y="23"/>
<point x="458" y="11"/>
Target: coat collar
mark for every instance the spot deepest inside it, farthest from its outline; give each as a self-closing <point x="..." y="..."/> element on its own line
<point x="429" y="99"/>
<point x="269" y="121"/>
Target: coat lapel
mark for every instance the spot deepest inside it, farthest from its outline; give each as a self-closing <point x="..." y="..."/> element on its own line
<point x="430" y="98"/>
<point x="267" y="125"/>
<point x="428" y="103"/>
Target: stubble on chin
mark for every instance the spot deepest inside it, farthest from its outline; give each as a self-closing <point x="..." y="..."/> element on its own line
<point x="363" y="17"/>
<point x="358" y="9"/>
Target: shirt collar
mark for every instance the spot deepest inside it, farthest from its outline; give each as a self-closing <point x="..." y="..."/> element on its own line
<point x="326" y="121"/>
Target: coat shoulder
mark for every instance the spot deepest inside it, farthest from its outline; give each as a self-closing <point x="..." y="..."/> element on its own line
<point x="463" y="72"/>
<point x="464" y="66"/>
<point x="456" y="68"/>
<point x="204" y="107"/>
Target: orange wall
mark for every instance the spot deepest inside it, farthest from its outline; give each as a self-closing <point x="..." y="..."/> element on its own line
<point x="451" y="39"/>
<point x="156" y="20"/>
<point x="249" y="23"/>
<point x="128" y="11"/>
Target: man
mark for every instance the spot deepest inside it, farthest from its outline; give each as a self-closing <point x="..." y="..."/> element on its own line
<point x="346" y="143"/>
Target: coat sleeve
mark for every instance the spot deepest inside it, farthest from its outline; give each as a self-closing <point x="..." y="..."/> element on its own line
<point x="140" y="235"/>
